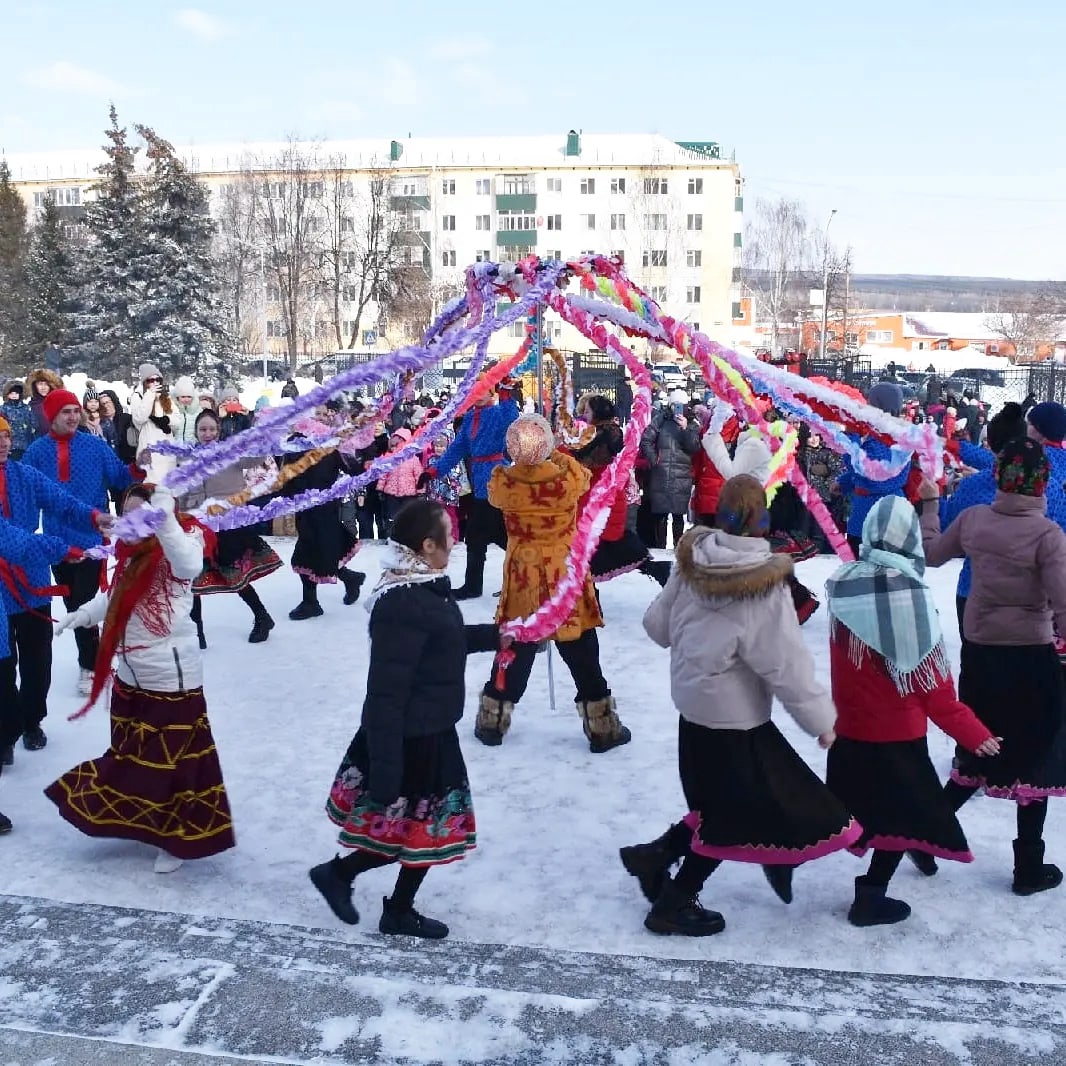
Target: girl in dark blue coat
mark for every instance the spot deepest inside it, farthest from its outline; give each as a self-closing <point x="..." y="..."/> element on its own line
<point x="401" y="793"/>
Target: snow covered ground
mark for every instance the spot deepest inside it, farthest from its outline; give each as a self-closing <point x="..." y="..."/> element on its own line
<point x="551" y="816"/>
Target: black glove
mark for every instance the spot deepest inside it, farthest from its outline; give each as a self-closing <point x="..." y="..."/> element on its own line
<point x="161" y="422"/>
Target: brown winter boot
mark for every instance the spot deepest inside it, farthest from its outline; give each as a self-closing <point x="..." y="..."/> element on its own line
<point x="601" y="724"/>
<point x="493" y="720"/>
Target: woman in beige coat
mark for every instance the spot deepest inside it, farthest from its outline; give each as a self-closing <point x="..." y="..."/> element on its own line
<point x="726" y="615"/>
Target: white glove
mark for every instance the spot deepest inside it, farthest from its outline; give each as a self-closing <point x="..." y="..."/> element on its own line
<point x="721" y="414"/>
<point x="78" y="619"/>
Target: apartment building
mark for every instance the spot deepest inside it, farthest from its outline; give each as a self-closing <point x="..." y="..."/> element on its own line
<point x="672" y="210"/>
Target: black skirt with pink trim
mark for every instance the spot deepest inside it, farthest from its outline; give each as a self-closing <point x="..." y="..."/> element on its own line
<point x="895" y="793"/>
<point x="613" y="558"/>
<point x="323" y="544"/>
<point x="751" y="798"/>
<point x="1019" y="693"/>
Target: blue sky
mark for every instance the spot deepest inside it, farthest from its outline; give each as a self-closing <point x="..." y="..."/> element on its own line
<point x="934" y="129"/>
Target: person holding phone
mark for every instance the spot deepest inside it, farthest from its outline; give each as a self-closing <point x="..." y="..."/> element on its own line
<point x="150" y="412"/>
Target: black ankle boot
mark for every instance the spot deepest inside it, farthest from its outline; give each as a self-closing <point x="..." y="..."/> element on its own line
<point x="650" y="863"/>
<point x="5" y="823"/>
<point x="873" y="907"/>
<point x="1031" y="873"/>
<point x="467" y="592"/>
<point x="336" y="890"/>
<point x="261" y="628"/>
<point x="780" y="878"/>
<point x="409" y="923"/>
<point x="353" y="582"/>
<point x="675" y="911"/>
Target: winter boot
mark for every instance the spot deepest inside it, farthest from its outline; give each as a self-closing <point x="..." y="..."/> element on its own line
<point x="467" y="592"/>
<point x="780" y="878"/>
<point x="1031" y="873"/>
<point x="873" y="907"/>
<point x="336" y="890"/>
<point x="659" y="569"/>
<point x="261" y="627"/>
<point x="353" y="582"/>
<point x="34" y="738"/>
<point x="5" y="824"/>
<point x="676" y="912"/>
<point x="493" y="720"/>
<point x="925" y="862"/>
<point x="601" y="724"/>
<point x="409" y="923"/>
<point x="309" y="607"/>
<point x="650" y="863"/>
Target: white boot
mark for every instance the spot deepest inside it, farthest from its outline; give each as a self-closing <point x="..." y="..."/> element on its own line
<point x="85" y="682"/>
<point x="165" y="863"/>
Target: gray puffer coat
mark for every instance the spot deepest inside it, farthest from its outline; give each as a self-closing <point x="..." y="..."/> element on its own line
<point x="668" y="450"/>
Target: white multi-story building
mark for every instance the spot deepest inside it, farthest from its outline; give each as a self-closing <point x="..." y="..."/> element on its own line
<point x="671" y="210"/>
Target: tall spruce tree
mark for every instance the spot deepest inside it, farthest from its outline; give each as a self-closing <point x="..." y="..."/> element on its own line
<point x="50" y="286"/>
<point x="180" y="317"/>
<point x="13" y="239"/>
<point x="114" y="269"/>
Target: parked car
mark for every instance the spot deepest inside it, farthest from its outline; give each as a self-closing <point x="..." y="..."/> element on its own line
<point x="982" y="374"/>
<point x="669" y="375"/>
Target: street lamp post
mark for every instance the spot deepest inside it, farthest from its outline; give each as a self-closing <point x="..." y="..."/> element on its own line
<point x="825" y="282"/>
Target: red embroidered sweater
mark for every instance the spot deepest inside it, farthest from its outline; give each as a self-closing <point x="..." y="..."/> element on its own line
<point x="870" y="707"/>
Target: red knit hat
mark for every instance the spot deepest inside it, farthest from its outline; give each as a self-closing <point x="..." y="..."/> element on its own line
<point x="56" y="400"/>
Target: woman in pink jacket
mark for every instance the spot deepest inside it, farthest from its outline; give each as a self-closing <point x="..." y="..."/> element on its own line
<point x="401" y="483"/>
<point x="1010" y="673"/>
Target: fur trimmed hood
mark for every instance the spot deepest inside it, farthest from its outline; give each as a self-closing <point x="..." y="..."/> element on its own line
<point x="719" y="566"/>
<point x="42" y="374"/>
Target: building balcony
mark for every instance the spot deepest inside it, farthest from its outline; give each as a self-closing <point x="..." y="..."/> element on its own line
<point x="409" y="203"/>
<point x="523" y="201"/>
<point x="412" y="238"/>
<point x="516" y="238"/>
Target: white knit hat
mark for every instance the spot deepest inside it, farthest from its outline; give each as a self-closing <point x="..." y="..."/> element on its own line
<point x="184" y="386"/>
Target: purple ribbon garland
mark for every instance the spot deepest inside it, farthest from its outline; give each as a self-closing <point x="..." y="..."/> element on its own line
<point x="256" y="440"/>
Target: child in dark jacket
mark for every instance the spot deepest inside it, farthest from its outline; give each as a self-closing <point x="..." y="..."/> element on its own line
<point x="401" y="793"/>
<point x="890" y="673"/>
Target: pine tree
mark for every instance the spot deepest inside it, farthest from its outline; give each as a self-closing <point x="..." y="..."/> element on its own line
<point x="113" y="276"/>
<point x="12" y="271"/>
<point x="180" y="317"/>
<point x="50" y="286"/>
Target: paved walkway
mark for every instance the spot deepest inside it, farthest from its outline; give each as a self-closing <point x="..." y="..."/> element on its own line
<point x="115" y="987"/>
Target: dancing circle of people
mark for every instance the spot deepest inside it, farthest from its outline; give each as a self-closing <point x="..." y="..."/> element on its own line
<point x="728" y="611"/>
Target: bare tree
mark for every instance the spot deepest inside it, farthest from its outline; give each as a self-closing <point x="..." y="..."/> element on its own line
<point x="777" y="260"/>
<point x="241" y="255"/>
<point x="1030" y="320"/>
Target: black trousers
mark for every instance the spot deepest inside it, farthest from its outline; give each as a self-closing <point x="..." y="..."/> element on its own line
<point x="484" y="526"/>
<point x="582" y="658"/>
<point x="660" y="520"/>
<point x="83" y="583"/>
<point x="24" y="702"/>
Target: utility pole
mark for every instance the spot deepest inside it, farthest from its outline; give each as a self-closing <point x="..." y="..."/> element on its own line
<point x="825" y="282"/>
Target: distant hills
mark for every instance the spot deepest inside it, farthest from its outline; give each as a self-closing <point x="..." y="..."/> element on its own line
<point x="932" y="292"/>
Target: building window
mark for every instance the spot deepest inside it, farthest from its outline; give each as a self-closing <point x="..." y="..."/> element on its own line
<point x="315" y="189"/>
<point x="588" y="221"/>
<point x="484" y="256"/>
<point x="272" y="190"/>
<point x="618" y="221"/>
<point x="347" y="224"/>
<point x="554" y="253"/>
<point x="273" y="292"/>
<point x="518" y="184"/>
<point x="516" y="220"/>
<point x="447" y="222"/>
<point x="695" y="186"/>
<point x="349" y="293"/>
<point x="738" y="240"/>
<point x="275" y="329"/>
<point x="483" y="222"/>
<point x="692" y="294"/>
<point x="655" y="257"/>
<point x="348" y="261"/>
<point x="345" y="190"/>
<point x="655" y="186"/>
<point x="618" y="184"/>
<point x="851" y="338"/>
<point x="588" y="186"/>
<point x="879" y="336"/>
<point x="483" y="186"/>
<point x="695" y="327"/>
<point x="555" y="185"/>
<point x="619" y="254"/>
<point x="695" y="222"/>
<point x="738" y="312"/>
<point x="447" y="258"/>
<point x="655" y="222"/>
<point x="447" y="187"/>
<point x="658" y="293"/>
<point x="694" y="257"/>
<point x="555" y="222"/>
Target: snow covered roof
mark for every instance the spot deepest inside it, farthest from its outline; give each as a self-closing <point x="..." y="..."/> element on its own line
<point x="535" y="152"/>
<point x="965" y="325"/>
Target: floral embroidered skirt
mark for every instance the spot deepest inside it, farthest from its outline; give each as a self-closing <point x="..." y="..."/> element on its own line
<point x="895" y="793"/>
<point x="241" y="557"/>
<point x="160" y="782"/>
<point x="751" y="798"/>
<point x="1019" y="694"/>
<point x="432" y="821"/>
